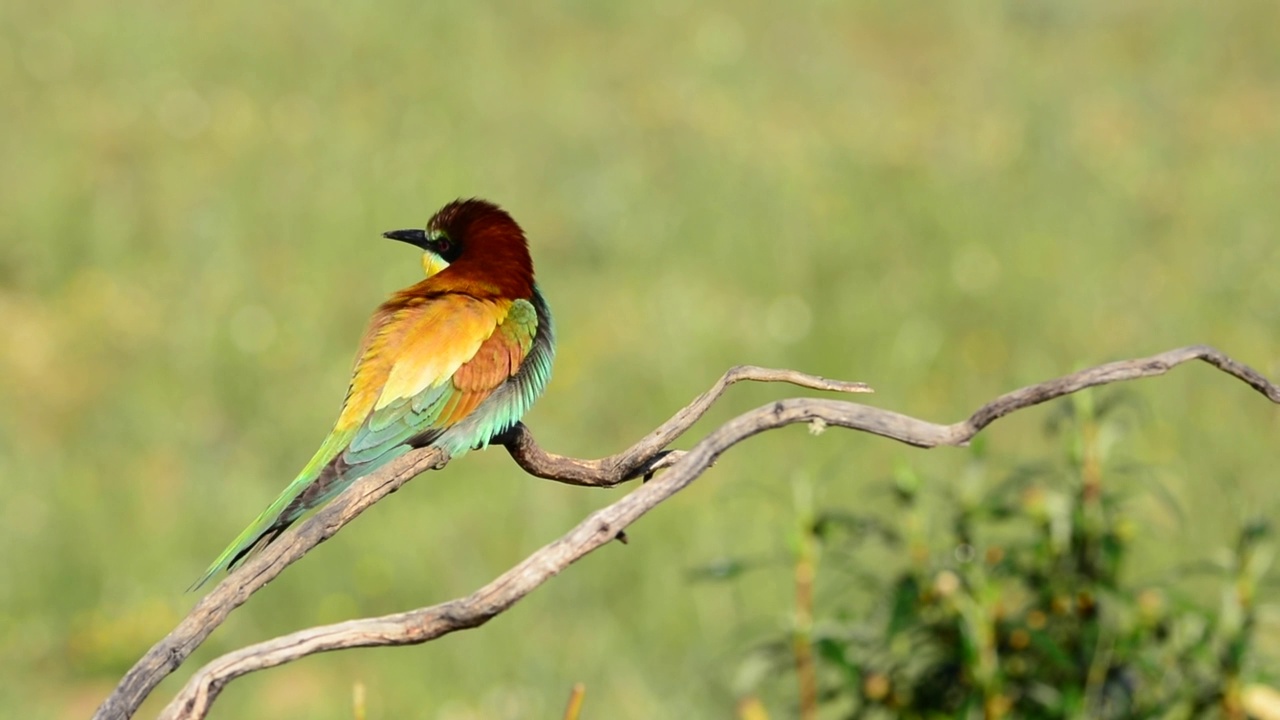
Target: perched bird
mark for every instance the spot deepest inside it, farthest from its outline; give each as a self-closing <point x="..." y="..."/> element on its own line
<point x="449" y="362"/>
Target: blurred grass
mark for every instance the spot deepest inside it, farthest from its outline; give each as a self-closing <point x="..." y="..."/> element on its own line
<point x="944" y="201"/>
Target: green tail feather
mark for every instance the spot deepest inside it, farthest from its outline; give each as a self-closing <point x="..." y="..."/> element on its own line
<point x="266" y="527"/>
<point x="288" y="507"/>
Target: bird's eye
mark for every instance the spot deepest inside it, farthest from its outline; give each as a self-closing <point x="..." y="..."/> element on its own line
<point x="443" y="245"/>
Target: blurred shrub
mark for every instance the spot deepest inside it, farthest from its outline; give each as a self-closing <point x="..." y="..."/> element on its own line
<point x="1008" y="599"/>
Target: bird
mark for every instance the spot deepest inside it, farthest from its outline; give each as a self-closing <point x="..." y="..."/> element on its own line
<point x="449" y="362"/>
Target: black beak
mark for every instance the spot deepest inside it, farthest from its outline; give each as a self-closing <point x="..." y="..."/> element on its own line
<point x="413" y="237"/>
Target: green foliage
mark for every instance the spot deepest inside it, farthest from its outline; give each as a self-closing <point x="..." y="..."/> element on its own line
<point x="1010" y="598"/>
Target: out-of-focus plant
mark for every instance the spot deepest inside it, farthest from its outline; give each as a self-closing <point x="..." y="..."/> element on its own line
<point x="1008" y="598"/>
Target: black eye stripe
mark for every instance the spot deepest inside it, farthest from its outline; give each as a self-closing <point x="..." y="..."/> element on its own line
<point x="446" y="248"/>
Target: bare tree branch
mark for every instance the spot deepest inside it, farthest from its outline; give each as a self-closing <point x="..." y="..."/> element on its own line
<point x="644" y="458"/>
<point x="168" y="654"/>
<point x="649" y="455"/>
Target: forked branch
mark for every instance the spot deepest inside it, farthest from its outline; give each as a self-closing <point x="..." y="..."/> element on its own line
<point x="643" y="459"/>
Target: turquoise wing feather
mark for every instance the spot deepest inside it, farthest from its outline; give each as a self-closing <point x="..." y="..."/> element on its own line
<point x="502" y="365"/>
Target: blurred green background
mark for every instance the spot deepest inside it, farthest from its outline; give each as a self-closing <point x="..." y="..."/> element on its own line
<point x="944" y="200"/>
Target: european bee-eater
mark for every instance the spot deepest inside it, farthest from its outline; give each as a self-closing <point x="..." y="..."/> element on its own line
<point x="449" y="362"/>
